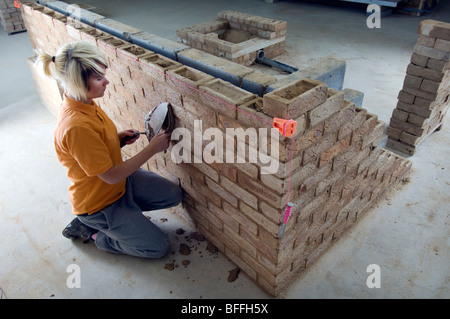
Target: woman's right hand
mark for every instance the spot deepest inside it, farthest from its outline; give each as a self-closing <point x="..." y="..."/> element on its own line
<point x="160" y="142"/>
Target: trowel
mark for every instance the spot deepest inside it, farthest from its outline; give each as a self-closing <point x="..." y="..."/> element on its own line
<point x="160" y="117"/>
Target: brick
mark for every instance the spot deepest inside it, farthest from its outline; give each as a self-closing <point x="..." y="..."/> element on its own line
<point x="337" y="172"/>
<point x="373" y="155"/>
<point x="259" y="189"/>
<point x="430" y="86"/>
<point x="224" y="97"/>
<point x="132" y="53"/>
<point x="340" y="147"/>
<point x="334" y="123"/>
<point x="251" y="115"/>
<point x="400" y="115"/>
<point x="442" y="45"/>
<point x="437" y="65"/>
<point x="414" y="108"/>
<point x="431" y="53"/>
<point x="225" y="216"/>
<point x="417" y="120"/>
<point x="74" y="30"/>
<point x="406" y="97"/>
<point x="393" y="133"/>
<point x="407" y="127"/>
<point x="89" y="34"/>
<point x="230" y="246"/>
<point x="324" y="170"/>
<point x="375" y="135"/>
<point x="239" y="192"/>
<point x="409" y="138"/>
<point x="295" y="99"/>
<point x="314" y="152"/>
<point x="412" y="81"/>
<point x="424" y="73"/>
<point x="354" y="123"/>
<point x="277" y="184"/>
<point x="332" y="105"/>
<point x="434" y="29"/>
<point x="401" y="147"/>
<point x="424" y="103"/>
<point x="109" y="45"/>
<point x="419" y="60"/>
<point x="268" y="252"/>
<point x="222" y="192"/>
<point x="259" y="219"/>
<point x="203" y="112"/>
<point x="157" y="65"/>
<point x="426" y="41"/>
<point x="316" y="204"/>
<point x="187" y="80"/>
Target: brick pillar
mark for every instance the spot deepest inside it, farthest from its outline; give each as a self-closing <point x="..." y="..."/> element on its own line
<point x="424" y="99"/>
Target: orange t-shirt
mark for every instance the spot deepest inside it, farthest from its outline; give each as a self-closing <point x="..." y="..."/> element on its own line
<point x="87" y="143"/>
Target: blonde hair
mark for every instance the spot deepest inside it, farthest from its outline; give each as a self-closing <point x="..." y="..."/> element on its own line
<point x="73" y="64"/>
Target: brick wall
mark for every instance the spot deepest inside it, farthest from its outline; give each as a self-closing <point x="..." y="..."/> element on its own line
<point x="331" y="169"/>
<point x="10" y="17"/>
<point x="424" y="99"/>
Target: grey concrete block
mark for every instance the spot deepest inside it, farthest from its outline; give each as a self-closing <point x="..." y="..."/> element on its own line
<point x="215" y="66"/>
<point x="257" y="82"/>
<point x="354" y="96"/>
<point x="329" y="71"/>
<point x="158" y="44"/>
<point x="87" y="17"/>
<point x="333" y="74"/>
<point x="74" y="11"/>
<point x="58" y="6"/>
<point x="117" y="29"/>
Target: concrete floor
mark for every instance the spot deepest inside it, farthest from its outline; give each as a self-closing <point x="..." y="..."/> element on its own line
<point x="407" y="234"/>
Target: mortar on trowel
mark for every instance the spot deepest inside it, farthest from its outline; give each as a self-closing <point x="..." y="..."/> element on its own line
<point x="160" y="117"/>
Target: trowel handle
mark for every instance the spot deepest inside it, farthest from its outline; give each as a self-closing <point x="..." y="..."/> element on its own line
<point x="124" y="140"/>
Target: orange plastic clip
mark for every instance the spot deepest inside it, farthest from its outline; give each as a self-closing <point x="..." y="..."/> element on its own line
<point x="285" y="127"/>
<point x="17" y="4"/>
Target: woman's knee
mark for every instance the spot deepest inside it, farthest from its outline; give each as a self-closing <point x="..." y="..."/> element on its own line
<point x="158" y="250"/>
<point x="178" y="195"/>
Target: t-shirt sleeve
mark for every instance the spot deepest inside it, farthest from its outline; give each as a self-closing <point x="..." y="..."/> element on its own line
<point x="89" y="150"/>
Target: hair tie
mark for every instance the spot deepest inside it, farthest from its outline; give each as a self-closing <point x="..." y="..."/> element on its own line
<point x="69" y="53"/>
<point x="53" y="59"/>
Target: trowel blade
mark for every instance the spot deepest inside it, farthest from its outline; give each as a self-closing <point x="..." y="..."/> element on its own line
<point x="158" y="116"/>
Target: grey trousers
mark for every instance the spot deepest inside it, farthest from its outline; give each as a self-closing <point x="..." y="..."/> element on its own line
<point x="122" y="228"/>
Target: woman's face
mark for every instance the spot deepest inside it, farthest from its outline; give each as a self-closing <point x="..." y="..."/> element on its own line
<point x="97" y="85"/>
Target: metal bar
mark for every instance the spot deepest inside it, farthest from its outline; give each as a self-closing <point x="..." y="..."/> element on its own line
<point x="260" y="58"/>
<point x="385" y="3"/>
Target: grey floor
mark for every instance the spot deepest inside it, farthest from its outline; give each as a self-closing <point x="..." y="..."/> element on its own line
<point x="407" y="234"/>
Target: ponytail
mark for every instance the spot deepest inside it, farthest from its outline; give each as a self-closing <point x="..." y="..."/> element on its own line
<point x="43" y="61"/>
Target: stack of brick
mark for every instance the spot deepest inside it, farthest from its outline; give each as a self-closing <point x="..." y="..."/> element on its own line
<point x="424" y="99"/>
<point x="10" y="17"/>
<point x="237" y="37"/>
<point x="331" y="168"/>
